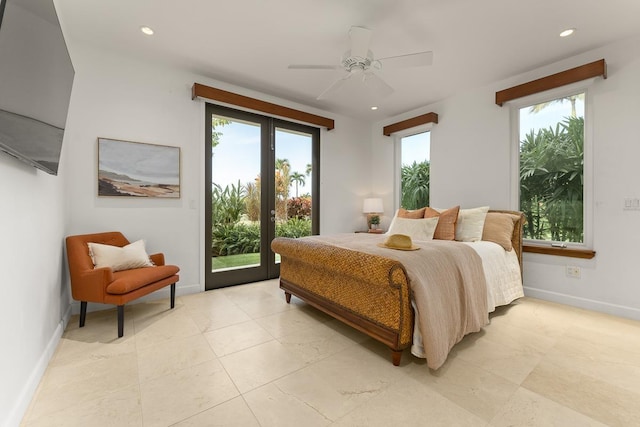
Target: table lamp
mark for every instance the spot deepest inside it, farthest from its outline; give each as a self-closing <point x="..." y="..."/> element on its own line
<point x="372" y="207"/>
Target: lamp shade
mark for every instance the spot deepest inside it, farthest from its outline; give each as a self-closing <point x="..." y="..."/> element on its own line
<point x="372" y="206"/>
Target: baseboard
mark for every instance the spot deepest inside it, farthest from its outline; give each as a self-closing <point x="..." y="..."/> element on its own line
<point x="589" y="304"/>
<point x="28" y="391"/>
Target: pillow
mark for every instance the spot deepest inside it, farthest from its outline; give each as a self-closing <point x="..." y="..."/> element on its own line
<point x="416" y="214"/>
<point x="446" y="228"/>
<point x="118" y="258"/>
<point x="470" y="224"/>
<point x="498" y="228"/>
<point x="417" y="229"/>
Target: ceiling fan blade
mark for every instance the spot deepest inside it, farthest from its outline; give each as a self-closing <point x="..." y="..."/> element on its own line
<point x="312" y="67"/>
<point x="379" y="86"/>
<point x="334" y="87"/>
<point x="360" y="39"/>
<point x="420" y="59"/>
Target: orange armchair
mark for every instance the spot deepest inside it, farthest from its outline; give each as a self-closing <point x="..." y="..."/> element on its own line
<point x="103" y="285"/>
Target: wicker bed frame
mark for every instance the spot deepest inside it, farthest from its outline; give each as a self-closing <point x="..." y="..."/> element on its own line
<point x="368" y="292"/>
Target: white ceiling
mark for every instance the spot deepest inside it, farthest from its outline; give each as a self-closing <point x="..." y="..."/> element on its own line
<point x="250" y="43"/>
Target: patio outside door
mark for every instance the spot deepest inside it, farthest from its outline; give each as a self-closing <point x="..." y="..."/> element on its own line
<point x="261" y="182"/>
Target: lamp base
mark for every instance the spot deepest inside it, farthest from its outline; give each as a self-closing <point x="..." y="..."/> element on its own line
<point x="372" y="226"/>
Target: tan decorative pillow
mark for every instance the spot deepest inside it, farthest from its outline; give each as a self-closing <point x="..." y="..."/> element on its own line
<point x="446" y="228"/>
<point x="118" y="258"/>
<point x="416" y="214"/>
<point x="498" y="228"/>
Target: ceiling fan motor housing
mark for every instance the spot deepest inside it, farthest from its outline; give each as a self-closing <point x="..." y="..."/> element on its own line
<point x="353" y="63"/>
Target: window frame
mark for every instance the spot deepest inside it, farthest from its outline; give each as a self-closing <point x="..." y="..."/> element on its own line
<point x="397" y="158"/>
<point x="587" y="185"/>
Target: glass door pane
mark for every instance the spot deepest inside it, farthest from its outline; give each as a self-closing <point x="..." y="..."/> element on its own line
<point x="235" y="181"/>
<point x="293" y="183"/>
<point x="260" y="177"/>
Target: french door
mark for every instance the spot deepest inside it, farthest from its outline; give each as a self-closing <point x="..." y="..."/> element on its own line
<point x="261" y="181"/>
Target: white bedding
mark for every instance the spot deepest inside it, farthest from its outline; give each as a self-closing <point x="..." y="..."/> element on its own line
<point x="502" y="272"/>
<point x="504" y="283"/>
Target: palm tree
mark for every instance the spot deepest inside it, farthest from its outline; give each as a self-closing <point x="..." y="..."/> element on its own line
<point x="414" y="185"/>
<point x="216" y="134"/>
<point x="283" y="182"/>
<point x="298" y="178"/>
<point x="551" y="186"/>
<point x="308" y="169"/>
<point x="572" y="99"/>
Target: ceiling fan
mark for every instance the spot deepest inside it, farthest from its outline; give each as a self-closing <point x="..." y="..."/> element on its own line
<point x="359" y="62"/>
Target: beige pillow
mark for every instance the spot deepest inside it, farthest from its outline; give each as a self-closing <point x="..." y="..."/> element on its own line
<point x="498" y="228"/>
<point x="415" y="214"/>
<point x="470" y="224"/>
<point x="447" y="219"/>
<point x="118" y="258"/>
<point x="417" y="229"/>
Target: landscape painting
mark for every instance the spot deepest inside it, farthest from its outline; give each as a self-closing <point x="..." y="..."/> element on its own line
<point x="134" y="169"/>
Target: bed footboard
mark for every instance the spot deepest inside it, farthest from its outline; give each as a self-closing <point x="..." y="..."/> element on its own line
<point x="368" y="292"/>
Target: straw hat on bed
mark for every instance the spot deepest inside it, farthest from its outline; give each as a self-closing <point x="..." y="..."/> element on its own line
<point x="399" y="241"/>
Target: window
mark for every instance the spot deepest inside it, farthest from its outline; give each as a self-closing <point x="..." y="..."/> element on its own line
<point x="414" y="150"/>
<point x="551" y="168"/>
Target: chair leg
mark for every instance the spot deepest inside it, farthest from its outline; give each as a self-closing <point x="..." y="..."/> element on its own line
<point x="120" y="321"/>
<point x="173" y="295"/>
<point x="83" y="312"/>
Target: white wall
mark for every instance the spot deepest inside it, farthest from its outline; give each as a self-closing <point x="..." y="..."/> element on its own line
<point x="35" y="297"/>
<point x="470" y="166"/>
<point x="126" y="99"/>
<point x="131" y="100"/>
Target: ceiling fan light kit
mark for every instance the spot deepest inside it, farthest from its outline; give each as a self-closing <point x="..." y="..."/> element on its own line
<point x="359" y="60"/>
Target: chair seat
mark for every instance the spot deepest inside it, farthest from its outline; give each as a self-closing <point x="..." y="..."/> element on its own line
<point x="129" y="280"/>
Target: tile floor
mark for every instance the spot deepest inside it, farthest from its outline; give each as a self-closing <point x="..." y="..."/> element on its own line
<point x="241" y="356"/>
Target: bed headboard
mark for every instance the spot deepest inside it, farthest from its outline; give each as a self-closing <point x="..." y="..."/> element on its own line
<point x="516" y="238"/>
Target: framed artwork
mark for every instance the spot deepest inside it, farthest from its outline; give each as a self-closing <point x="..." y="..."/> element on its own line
<point x="134" y="169"/>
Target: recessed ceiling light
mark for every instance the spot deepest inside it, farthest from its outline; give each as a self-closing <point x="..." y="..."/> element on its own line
<point x="567" y="32"/>
<point x="374" y="108"/>
<point x="147" y="30"/>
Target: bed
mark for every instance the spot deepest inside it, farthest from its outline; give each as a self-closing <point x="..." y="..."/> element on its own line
<point x="426" y="299"/>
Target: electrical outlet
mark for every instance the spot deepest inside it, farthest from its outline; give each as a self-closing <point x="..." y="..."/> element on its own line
<point x="573" y="271"/>
<point x="631" y="204"/>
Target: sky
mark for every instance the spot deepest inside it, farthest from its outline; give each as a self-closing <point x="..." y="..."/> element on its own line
<point x="548" y="116"/>
<point x="416" y="148"/>
<point x="237" y="157"/>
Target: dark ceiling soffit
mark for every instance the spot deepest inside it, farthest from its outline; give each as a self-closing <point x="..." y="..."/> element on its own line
<point x="583" y="72"/>
<point x="212" y="93"/>
<point x="410" y="123"/>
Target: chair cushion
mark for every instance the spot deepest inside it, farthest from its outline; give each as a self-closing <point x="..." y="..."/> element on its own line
<point x="130" y="280"/>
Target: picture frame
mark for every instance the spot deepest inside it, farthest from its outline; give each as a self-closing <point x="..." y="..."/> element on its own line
<point x="137" y="169"/>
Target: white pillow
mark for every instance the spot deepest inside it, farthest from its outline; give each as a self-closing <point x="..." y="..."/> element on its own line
<point x="417" y="229"/>
<point x="118" y="258"/>
<point x="470" y="224"/>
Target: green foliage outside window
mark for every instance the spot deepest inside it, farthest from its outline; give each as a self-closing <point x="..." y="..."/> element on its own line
<point x="414" y="185"/>
<point x="551" y="182"/>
